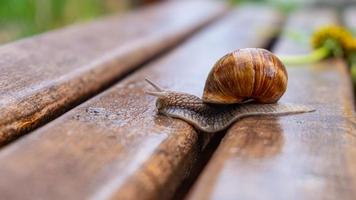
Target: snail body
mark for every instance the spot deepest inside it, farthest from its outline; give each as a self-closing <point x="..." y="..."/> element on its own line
<point x="238" y="86"/>
<point x="212" y="118"/>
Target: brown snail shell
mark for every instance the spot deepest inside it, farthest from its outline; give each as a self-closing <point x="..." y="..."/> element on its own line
<point x="246" y="74"/>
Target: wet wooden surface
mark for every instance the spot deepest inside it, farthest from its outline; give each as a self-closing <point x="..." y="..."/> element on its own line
<point x="41" y="77"/>
<point x="114" y="145"/>
<point x="306" y="156"/>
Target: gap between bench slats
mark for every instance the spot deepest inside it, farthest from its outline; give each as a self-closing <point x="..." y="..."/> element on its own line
<point x="114" y="145"/>
<point x="43" y="76"/>
<point x="306" y="156"/>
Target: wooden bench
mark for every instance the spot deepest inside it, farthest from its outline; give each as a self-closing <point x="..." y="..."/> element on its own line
<point x="115" y="146"/>
<point x="44" y="76"/>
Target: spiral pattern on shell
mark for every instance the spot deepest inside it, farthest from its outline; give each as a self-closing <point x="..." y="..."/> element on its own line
<point x="246" y="74"/>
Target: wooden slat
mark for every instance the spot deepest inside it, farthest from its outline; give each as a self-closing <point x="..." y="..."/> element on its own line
<point x="43" y="76"/>
<point x="115" y="146"/>
<point x="306" y="156"/>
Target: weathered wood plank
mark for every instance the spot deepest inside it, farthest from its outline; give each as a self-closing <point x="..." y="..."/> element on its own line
<point x="307" y="156"/>
<point x="43" y="76"/>
<point x="114" y="145"/>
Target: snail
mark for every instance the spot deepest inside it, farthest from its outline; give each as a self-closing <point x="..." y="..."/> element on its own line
<point x="245" y="82"/>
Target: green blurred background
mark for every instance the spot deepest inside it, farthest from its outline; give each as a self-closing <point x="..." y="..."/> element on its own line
<point x="21" y="18"/>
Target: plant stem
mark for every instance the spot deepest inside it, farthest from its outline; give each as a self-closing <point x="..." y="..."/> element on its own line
<point x="314" y="56"/>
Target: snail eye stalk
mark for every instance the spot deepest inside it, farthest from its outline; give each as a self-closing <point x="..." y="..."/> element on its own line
<point x="154" y="85"/>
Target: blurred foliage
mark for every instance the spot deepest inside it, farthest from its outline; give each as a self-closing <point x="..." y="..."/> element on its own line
<point x="283" y="5"/>
<point x="20" y="18"/>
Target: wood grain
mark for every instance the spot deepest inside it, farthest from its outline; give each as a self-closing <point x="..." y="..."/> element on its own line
<point x="46" y="75"/>
<point x="115" y="146"/>
<point x="307" y="156"/>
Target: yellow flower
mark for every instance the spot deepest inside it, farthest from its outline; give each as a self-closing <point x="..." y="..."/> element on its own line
<point x="337" y="33"/>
